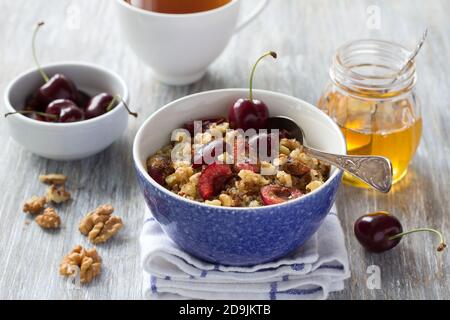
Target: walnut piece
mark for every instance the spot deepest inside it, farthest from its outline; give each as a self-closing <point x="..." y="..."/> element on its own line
<point x="49" y="219"/>
<point x="100" y="225"/>
<point x="216" y="203"/>
<point x="180" y="176"/>
<point x="53" y="178"/>
<point x="34" y="205"/>
<point x="57" y="194"/>
<point x="250" y="182"/>
<point x="226" y="200"/>
<point x="285" y="179"/>
<point x="86" y="262"/>
<point x="314" y="185"/>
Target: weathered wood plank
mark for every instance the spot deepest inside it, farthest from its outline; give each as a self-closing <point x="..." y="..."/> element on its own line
<point x="305" y="33"/>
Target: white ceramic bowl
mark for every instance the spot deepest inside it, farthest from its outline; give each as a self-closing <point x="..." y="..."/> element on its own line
<point x="67" y="141"/>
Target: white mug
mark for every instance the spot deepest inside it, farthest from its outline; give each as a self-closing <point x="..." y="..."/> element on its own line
<point x="179" y="47"/>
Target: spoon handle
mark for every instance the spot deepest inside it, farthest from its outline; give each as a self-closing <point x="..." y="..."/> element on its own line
<point x="374" y="170"/>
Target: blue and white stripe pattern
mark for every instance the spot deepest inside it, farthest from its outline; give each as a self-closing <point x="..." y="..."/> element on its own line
<point x="311" y="272"/>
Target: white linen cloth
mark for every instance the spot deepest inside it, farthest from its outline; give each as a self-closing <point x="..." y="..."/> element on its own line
<point x="311" y="272"/>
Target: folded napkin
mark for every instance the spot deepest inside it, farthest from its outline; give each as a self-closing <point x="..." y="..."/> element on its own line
<point x="311" y="272"/>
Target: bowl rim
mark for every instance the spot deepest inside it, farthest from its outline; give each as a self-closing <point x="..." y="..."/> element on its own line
<point x="74" y="64"/>
<point x="129" y="6"/>
<point x="336" y="174"/>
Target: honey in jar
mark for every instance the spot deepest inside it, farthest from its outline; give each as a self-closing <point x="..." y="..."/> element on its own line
<point x="374" y="105"/>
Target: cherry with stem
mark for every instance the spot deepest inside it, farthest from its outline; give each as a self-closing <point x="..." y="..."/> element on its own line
<point x="381" y="231"/>
<point x="56" y="87"/>
<point x="250" y="113"/>
<point x="33" y="48"/>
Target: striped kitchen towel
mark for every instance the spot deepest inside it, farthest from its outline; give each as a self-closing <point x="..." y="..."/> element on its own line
<point x="311" y="272"/>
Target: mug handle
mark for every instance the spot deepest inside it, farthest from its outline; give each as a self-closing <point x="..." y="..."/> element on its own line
<point x="262" y="5"/>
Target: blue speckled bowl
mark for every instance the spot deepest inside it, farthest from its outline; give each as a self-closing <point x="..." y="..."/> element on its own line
<point x="237" y="236"/>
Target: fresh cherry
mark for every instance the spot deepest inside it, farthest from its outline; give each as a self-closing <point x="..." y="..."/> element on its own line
<point x="274" y="194"/>
<point x="65" y="110"/>
<point x="250" y="113"/>
<point x="213" y="179"/>
<point x="381" y="231"/>
<point x="56" y="87"/>
<point x="98" y="105"/>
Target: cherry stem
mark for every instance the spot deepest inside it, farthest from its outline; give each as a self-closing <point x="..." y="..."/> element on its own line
<point x="119" y="98"/>
<point x="41" y="71"/>
<point x="441" y="246"/>
<point x="112" y="103"/>
<point x="43" y="114"/>
<point x="270" y="53"/>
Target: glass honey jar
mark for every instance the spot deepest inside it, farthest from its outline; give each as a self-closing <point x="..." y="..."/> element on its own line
<point x="371" y="96"/>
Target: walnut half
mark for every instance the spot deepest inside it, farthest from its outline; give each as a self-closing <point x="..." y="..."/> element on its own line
<point x="53" y="178"/>
<point x="34" y="205"/>
<point x="85" y="262"/>
<point x="49" y="219"/>
<point x="57" y="195"/>
<point x="100" y="225"/>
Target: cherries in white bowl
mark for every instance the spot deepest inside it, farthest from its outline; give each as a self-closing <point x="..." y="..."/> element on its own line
<point x="66" y="110"/>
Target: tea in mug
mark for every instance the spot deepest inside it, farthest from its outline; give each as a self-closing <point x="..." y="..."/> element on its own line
<point x="178" y="6"/>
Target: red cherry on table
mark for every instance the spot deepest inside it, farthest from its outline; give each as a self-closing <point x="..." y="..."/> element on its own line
<point x="381" y="231"/>
<point x="374" y="231"/>
<point x="64" y="111"/>
<point x="274" y="194"/>
<point x="250" y="113"/>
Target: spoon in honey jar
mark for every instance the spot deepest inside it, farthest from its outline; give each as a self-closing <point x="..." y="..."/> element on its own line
<point x="412" y="56"/>
<point x="376" y="171"/>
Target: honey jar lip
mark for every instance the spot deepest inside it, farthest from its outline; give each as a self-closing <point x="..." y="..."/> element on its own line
<point x="352" y="61"/>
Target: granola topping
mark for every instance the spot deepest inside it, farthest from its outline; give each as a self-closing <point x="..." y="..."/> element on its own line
<point x="235" y="183"/>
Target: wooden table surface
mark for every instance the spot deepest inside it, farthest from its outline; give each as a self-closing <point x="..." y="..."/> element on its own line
<point x="305" y="33"/>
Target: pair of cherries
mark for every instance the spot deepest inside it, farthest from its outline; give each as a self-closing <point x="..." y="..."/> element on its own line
<point x="59" y="100"/>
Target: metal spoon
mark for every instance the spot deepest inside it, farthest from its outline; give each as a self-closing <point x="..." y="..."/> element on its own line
<point x="412" y="56"/>
<point x="373" y="170"/>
